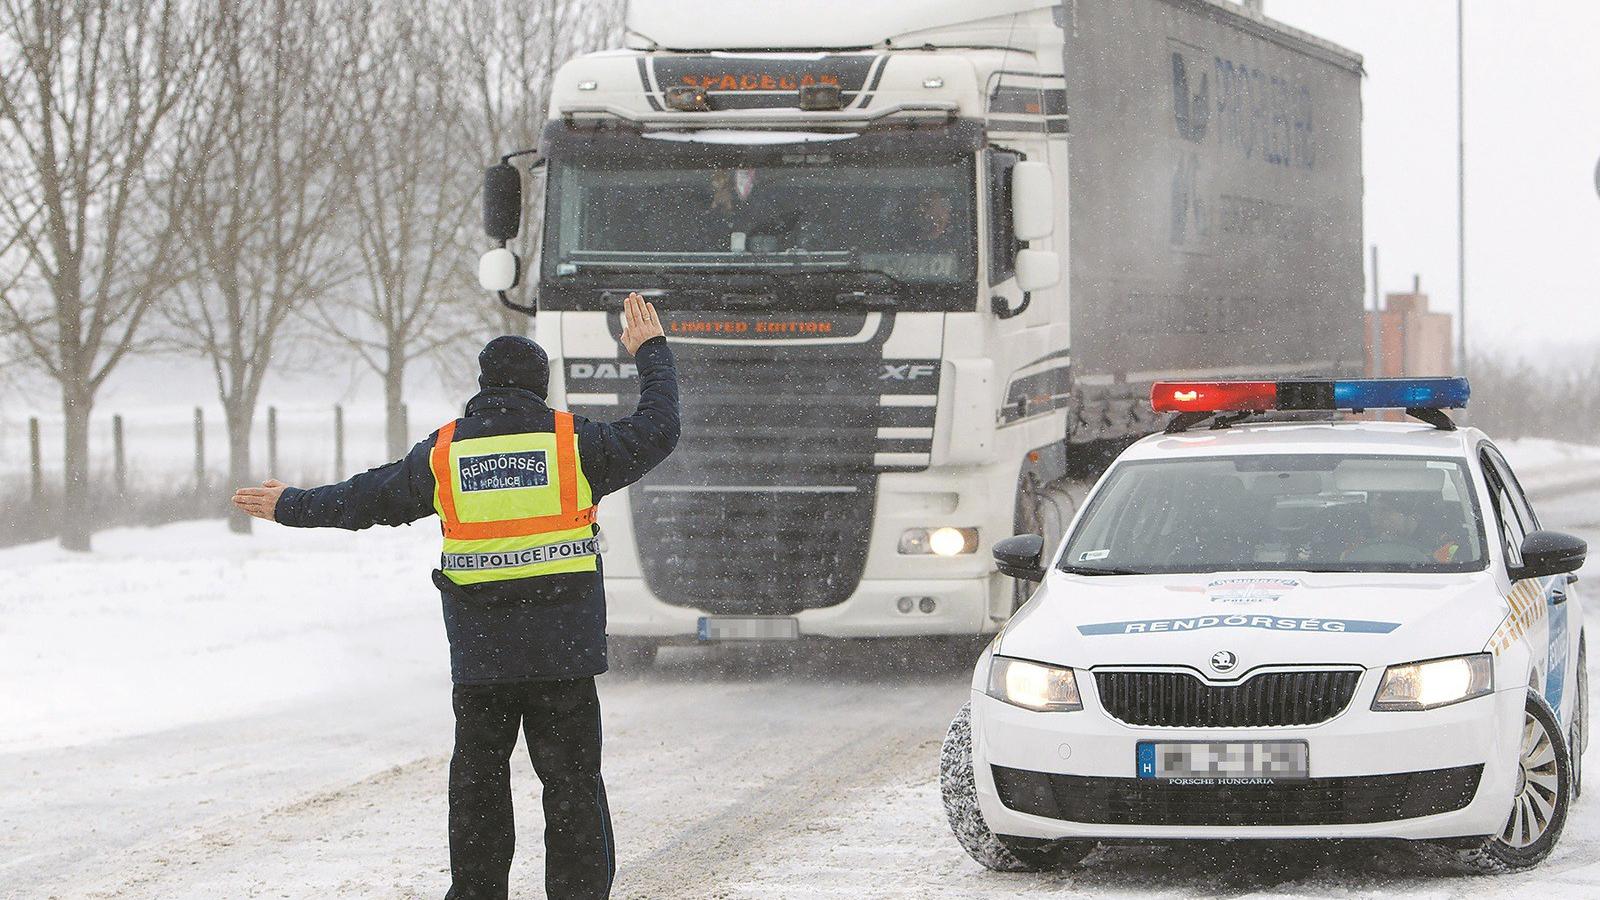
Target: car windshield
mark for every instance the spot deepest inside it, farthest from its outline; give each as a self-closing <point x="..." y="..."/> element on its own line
<point x="1317" y="512"/>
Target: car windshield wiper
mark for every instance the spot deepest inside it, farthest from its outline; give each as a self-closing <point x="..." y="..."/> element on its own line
<point x="1091" y="570"/>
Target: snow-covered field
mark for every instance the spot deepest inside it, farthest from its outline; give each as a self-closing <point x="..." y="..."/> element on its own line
<point x="191" y="714"/>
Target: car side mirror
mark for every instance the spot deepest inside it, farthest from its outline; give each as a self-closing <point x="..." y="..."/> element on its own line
<point x="1546" y="553"/>
<point x="1020" y="557"/>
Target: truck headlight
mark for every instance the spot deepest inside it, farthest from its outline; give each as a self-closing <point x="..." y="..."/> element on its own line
<point x="1032" y="685"/>
<point x="1434" y="683"/>
<point x="944" y="541"/>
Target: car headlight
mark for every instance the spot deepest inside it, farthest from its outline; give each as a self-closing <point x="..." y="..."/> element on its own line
<point x="944" y="541"/>
<point x="1434" y="683"/>
<point x="1032" y="685"/>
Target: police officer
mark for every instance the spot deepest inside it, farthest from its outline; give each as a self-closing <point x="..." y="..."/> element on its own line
<point x="515" y="484"/>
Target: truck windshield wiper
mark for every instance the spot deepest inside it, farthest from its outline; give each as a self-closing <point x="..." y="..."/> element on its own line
<point x="871" y="300"/>
<point x="1091" y="570"/>
<point x="626" y="261"/>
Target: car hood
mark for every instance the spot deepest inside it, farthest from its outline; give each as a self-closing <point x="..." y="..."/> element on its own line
<point x="1264" y="618"/>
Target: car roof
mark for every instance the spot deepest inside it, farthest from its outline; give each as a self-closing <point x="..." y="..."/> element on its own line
<point x="1353" y="437"/>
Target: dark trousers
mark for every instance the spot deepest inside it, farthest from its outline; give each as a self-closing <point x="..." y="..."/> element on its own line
<point x="561" y="720"/>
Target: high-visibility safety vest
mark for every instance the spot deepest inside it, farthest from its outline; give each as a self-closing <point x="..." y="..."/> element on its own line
<point x="506" y="511"/>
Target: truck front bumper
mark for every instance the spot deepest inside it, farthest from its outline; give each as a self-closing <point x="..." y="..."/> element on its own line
<point x="959" y="606"/>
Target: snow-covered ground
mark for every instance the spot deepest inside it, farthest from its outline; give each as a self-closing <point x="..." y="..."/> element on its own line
<point x="165" y="627"/>
<point x="191" y="714"/>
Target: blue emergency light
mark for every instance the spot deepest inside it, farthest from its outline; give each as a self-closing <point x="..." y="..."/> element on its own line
<point x="1401" y="393"/>
<point x="1421" y="397"/>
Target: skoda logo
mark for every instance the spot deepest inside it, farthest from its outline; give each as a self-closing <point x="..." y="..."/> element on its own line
<point x="1224" y="660"/>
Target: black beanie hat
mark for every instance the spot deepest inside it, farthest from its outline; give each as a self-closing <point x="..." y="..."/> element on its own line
<point x="513" y="361"/>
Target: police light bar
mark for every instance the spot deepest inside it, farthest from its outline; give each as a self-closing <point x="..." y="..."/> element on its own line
<point x="1347" y="394"/>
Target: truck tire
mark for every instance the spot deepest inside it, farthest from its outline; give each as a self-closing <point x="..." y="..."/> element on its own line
<point x="1538" y="813"/>
<point x="1001" y="853"/>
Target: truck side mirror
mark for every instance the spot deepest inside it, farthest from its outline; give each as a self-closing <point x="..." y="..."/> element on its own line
<point x="1546" y="553"/>
<point x="1037" y="269"/>
<point x="1033" y="205"/>
<point x="499" y="270"/>
<point x="1020" y="557"/>
<point x="502" y="201"/>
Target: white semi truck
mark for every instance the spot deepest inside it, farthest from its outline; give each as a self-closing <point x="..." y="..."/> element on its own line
<point x="919" y="262"/>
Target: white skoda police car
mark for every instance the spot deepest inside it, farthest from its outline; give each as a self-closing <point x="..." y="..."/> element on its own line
<point x="1296" y="629"/>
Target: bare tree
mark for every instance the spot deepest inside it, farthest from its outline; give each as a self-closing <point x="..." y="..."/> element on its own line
<point x="410" y="193"/>
<point x="93" y="119"/>
<point x="266" y="197"/>
<point x="511" y="51"/>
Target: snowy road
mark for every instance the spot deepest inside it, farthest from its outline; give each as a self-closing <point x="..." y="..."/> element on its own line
<point x="148" y="756"/>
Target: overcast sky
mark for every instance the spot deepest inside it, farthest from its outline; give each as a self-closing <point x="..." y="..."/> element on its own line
<point x="1533" y="139"/>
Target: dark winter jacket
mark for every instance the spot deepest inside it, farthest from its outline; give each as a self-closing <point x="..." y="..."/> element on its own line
<point x="551" y="626"/>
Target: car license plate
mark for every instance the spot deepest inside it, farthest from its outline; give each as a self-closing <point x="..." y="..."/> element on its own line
<point x="749" y="628"/>
<point x="1221" y="762"/>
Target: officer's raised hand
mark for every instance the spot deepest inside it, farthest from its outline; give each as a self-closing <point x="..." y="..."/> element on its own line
<point x="261" y="502"/>
<point x="639" y="322"/>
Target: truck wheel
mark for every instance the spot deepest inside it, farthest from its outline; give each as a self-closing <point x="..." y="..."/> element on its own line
<point x="992" y="851"/>
<point x="1539" y="810"/>
<point x="630" y="655"/>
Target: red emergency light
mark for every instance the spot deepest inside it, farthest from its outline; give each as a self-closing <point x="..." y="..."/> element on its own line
<point x="1213" y="396"/>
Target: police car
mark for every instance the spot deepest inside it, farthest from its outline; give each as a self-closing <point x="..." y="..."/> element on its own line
<point x="1284" y="629"/>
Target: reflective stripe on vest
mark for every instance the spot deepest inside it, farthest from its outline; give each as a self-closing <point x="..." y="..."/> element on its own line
<point x="505" y="512"/>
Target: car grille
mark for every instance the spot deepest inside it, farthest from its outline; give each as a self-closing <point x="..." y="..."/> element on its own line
<point x="1182" y="700"/>
<point x="1312" y="801"/>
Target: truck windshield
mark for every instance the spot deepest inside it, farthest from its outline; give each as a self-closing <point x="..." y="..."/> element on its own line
<point x="806" y="229"/>
<point x="1317" y="512"/>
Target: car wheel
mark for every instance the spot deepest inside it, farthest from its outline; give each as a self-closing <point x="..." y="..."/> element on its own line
<point x="992" y="851"/>
<point x="1539" y="810"/>
<point x="630" y="655"/>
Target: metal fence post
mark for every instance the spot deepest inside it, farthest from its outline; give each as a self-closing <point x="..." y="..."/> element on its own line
<point x="119" y="456"/>
<point x="272" y="442"/>
<point x="199" y="450"/>
<point x="338" y="442"/>
<point x="35" y="459"/>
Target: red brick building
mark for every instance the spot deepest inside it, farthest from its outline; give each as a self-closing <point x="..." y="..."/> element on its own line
<point x="1404" y="338"/>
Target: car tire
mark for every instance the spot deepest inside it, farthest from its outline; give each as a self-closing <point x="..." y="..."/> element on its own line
<point x="630" y="655"/>
<point x="1001" y="853"/>
<point x="1578" y="739"/>
<point x="1547" y="774"/>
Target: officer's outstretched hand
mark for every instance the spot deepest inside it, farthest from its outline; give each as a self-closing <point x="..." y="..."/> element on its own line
<point x="639" y="322"/>
<point x="261" y="502"/>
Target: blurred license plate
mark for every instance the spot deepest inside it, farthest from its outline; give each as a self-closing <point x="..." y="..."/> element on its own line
<point x="1223" y="761"/>
<point x="749" y="628"/>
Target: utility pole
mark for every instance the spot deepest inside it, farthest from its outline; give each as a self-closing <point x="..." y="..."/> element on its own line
<point x="1377" y="319"/>
<point x="1461" y="194"/>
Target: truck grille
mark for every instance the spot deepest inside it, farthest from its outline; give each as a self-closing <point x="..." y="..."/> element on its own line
<point x="765" y="506"/>
<point x="753" y="552"/>
<point x="1312" y="801"/>
<point x="1181" y="700"/>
